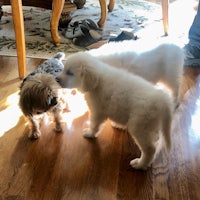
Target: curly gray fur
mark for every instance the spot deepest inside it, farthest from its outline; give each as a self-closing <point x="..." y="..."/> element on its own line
<point x="53" y="66"/>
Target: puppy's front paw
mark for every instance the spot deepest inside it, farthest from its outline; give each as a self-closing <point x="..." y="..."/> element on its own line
<point x="136" y="164"/>
<point x="88" y="133"/>
<point x="34" y="135"/>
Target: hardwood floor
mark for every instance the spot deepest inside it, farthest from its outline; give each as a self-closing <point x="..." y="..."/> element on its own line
<point x="67" y="166"/>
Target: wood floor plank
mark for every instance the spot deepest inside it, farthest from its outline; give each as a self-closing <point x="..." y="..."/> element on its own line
<point x="132" y="184"/>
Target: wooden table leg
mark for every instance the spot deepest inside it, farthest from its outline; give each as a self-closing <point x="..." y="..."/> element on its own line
<point x="57" y="7"/>
<point x="19" y="35"/>
<point x="165" y="8"/>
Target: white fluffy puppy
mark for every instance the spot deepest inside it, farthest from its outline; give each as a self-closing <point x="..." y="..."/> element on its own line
<point x="125" y="98"/>
<point x="161" y="64"/>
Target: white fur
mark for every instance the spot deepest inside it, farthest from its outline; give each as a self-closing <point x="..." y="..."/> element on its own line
<point x="125" y="98"/>
<point x="161" y="64"/>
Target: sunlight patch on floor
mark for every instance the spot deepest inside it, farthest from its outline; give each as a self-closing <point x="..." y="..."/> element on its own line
<point x="76" y="106"/>
<point x="9" y="117"/>
<point x="195" y="126"/>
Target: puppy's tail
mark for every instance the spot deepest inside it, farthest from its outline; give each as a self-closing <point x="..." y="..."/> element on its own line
<point x="166" y="125"/>
<point x="60" y="56"/>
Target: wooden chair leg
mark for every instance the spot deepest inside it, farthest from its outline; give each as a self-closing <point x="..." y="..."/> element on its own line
<point x="103" y="6"/>
<point x="57" y="7"/>
<point x="165" y="8"/>
<point x="111" y="5"/>
<point x="102" y="20"/>
<point x="19" y="35"/>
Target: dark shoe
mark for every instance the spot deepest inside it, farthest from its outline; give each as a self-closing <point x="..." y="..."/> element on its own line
<point x="191" y="56"/>
<point x="74" y="29"/>
<point x="89" y="40"/>
<point x="124" y="35"/>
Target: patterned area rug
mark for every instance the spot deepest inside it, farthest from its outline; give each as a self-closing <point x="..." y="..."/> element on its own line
<point x="142" y="18"/>
<point x="132" y="15"/>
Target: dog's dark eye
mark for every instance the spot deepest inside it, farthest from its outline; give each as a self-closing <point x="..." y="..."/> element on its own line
<point x="69" y="72"/>
<point x="53" y="101"/>
<point x="38" y="113"/>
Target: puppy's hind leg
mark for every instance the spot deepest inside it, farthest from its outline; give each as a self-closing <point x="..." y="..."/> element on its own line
<point x="174" y="84"/>
<point x="148" y="150"/>
<point x="95" y="122"/>
<point x="146" y="143"/>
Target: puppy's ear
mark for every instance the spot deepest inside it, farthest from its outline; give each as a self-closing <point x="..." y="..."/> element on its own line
<point x="89" y="79"/>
